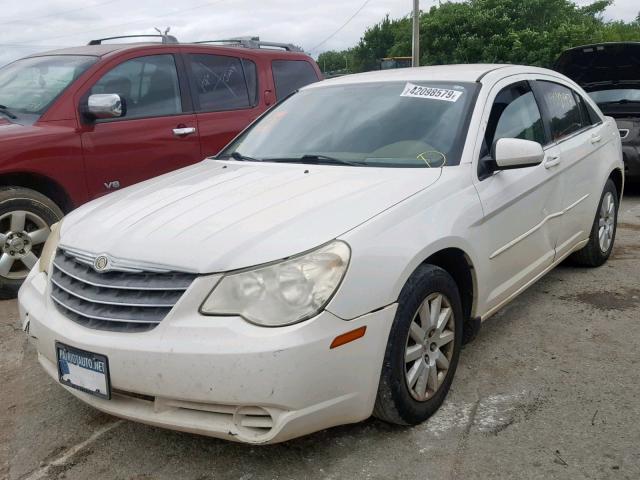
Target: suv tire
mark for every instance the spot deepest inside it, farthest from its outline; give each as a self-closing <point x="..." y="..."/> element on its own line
<point x="418" y="339"/>
<point x="25" y="219"/>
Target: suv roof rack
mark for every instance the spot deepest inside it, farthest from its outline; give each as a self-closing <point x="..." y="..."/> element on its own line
<point x="165" y="38"/>
<point x="254" y="42"/>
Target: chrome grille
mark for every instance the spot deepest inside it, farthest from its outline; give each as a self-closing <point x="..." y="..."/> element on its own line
<point x="131" y="300"/>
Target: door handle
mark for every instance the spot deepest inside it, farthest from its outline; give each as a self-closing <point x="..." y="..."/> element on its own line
<point x="552" y="162"/>
<point x="595" y="139"/>
<point x="183" y="131"/>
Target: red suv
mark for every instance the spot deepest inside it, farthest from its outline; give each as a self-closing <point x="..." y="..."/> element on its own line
<point x="81" y="122"/>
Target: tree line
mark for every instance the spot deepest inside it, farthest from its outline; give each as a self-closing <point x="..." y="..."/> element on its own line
<point x="531" y="32"/>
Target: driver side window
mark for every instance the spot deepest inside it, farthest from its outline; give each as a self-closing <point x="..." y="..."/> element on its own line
<point x="515" y="114"/>
<point x="148" y="85"/>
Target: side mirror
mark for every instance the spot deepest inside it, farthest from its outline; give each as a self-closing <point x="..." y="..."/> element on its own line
<point x="511" y="153"/>
<point x="105" y="105"/>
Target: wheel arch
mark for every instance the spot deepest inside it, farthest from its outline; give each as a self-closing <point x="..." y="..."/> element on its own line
<point x="617" y="178"/>
<point x="457" y="263"/>
<point x="41" y="184"/>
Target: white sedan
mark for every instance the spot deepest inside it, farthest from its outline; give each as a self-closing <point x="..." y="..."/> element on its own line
<point x="331" y="261"/>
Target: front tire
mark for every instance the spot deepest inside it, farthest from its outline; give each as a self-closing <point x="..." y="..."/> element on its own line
<point x="423" y="348"/>
<point x="603" y="231"/>
<point x="26" y="217"/>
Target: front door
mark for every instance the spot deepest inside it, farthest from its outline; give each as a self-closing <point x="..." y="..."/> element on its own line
<point x="153" y="137"/>
<point x="518" y="231"/>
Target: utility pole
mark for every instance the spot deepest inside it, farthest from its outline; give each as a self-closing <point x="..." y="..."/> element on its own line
<point x="415" y="43"/>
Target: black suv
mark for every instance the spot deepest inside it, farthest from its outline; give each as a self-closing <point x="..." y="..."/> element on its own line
<point x="610" y="73"/>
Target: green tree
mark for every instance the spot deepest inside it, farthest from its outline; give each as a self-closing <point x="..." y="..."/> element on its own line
<point x="332" y="61"/>
<point x="532" y="32"/>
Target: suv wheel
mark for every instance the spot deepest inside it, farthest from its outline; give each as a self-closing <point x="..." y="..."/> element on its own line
<point x="25" y="220"/>
<point x="603" y="230"/>
<point x="423" y="348"/>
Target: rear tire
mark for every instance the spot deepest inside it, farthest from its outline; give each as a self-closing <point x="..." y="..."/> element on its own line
<point x="25" y="220"/>
<point x="423" y="348"/>
<point x="603" y="231"/>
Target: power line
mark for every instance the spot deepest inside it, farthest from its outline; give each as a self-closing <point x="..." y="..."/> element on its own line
<point x="56" y="14"/>
<point x="175" y="12"/>
<point x="341" y="27"/>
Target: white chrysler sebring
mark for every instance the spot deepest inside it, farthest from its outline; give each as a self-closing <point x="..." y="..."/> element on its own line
<point x="331" y="261"/>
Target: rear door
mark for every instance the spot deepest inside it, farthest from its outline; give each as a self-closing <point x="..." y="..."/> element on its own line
<point x="157" y="134"/>
<point x="579" y="133"/>
<point x="225" y="90"/>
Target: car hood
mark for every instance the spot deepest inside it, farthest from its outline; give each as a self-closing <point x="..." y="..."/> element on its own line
<point x="601" y="65"/>
<point x="222" y="215"/>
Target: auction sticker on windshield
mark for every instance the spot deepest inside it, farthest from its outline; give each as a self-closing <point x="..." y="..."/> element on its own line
<point x="84" y="371"/>
<point x="431" y="93"/>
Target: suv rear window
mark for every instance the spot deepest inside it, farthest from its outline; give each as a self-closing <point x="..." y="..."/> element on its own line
<point x="221" y="83"/>
<point x="290" y="75"/>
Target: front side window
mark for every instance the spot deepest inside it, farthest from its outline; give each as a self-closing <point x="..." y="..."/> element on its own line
<point x="30" y="85"/>
<point x="386" y="124"/>
<point x="514" y="114"/>
<point x="290" y="75"/>
<point x="148" y="85"/>
<point x="222" y="83"/>
<point x="564" y="112"/>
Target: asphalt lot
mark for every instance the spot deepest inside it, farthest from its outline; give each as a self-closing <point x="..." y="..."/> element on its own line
<point x="549" y="389"/>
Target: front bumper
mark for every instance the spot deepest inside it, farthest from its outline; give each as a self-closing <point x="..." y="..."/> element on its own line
<point x="222" y="376"/>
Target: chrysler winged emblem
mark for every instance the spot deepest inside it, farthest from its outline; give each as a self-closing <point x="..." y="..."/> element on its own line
<point x="101" y="263"/>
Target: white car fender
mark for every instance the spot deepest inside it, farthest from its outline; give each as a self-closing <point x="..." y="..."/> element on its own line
<point x="415" y="229"/>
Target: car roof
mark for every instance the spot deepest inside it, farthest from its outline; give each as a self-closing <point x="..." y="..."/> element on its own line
<point x="108" y="48"/>
<point x="450" y="73"/>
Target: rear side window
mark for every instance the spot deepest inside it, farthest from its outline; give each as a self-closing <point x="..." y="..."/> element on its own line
<point x="290" y="75"/>
<point x="589" y="115"/>
<point x="514" y="114"/>
<point x="149" y="86"/>
<point x="222" y="83"/>
<point x="564" y="112"/>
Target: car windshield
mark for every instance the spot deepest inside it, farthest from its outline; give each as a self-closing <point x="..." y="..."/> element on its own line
<point x="618" y="95"/>
<point x="390" y="124"/>
<point x="30" y="85"/>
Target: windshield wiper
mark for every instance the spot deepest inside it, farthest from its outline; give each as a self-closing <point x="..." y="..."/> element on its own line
<point x="7" y="112"/>
<point x="244" y="158"/>
<point x="622" y="101"/>
<point x="317" y="160"/>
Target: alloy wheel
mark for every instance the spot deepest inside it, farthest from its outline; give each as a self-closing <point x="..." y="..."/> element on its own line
<point x="429" y="347"/>
<point x="606" y="222"/>
<point x="22" y="236"/>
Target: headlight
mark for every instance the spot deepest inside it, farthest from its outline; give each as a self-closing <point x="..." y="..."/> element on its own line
<point x="50" y="246"/>
<point x="281" y="293"/>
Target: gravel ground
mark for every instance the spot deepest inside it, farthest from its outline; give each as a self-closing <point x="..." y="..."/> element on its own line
<point x="549" y="389"/>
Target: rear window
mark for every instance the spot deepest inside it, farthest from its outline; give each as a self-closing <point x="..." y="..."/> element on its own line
<point x="222" y="83"/>
<point x="290" y="75"/>
<point x="564" y="112"/>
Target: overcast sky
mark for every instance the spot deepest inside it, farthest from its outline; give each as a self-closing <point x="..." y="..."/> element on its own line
<point x="317" y="25"/>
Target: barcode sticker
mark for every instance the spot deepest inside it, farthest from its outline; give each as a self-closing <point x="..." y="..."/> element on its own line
<point x="431" y="93"/>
